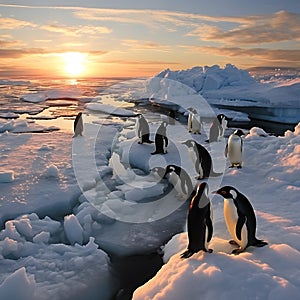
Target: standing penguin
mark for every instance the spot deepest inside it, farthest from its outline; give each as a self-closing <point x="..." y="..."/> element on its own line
<point x="180" y="179"/>
<point x="194" y="121"/>
<point x="223" y="120"/>
<point x="161" y="140"/>
<point x="142" y="130"/>
<point x="202" y="159"/>
<point x="199" y="222"/>
<point x="240" y="219"/>
<point x="78" y="125"/>
<point x="234" y="149"/>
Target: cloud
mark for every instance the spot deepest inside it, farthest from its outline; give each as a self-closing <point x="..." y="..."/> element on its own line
<point x="272" y="55"/>
<point x="7" y="44"/>
<point x="10" y="23"/>
<point x="145" y="45"/>
<point x="17" y="53"/>
<point x="140" y="62"/>
<point x="278" y="27"/>
<point x="76" y="30"/>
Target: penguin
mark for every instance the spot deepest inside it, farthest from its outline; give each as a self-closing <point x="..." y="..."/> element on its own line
<point x="223" y="120"/>
<point x="142" y="130"/>
<point x="214" y="131"/>
<point x="234" y="149"/>
<point x="240" y="219"/>
<point x="194" y="121"/>
<point x="201" y="158"/>
<point x="217" y="128"/>
<point x="199" y="222"/>
<point x="171" y="119"/>
<point x="158" y="173"/>
<point x="180" y="179"/>
<point x="78" y="125"/>
<point x="161" y="140"/>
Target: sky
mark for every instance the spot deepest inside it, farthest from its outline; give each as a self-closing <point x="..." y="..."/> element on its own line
<point x="117" y="38"/>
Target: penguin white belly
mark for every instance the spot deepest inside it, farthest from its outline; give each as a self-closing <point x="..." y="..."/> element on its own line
<point x="190" y="122"/>
<point x="234" y="149"/>
<point x="137" y="129"/>
<point x="223" y="127"/>
<point x="231" y="217"/>
<point x="196" y="124"/>
<point x="194" y="158"/>
<point x="175" y="180"/>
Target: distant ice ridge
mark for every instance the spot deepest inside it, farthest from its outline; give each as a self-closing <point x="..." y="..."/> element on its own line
<point x="236" y="86"/>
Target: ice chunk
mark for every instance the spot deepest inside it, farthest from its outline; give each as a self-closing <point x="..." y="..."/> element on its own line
<point x="18" y="286"/>
<point x="73" y="229"/>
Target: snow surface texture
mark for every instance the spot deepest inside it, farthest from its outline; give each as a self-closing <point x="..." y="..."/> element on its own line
<point x="270" y="179"/>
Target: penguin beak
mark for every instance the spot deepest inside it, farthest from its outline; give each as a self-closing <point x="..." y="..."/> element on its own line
<point x="215" y="192"/>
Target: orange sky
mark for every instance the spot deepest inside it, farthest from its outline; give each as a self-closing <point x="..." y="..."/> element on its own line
<point x="140" y="42"/>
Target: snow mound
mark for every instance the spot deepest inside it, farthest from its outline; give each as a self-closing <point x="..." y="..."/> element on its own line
<point x="246" y="276"/>
<point x="51" y="172"/>
<point x="209" y="78"/>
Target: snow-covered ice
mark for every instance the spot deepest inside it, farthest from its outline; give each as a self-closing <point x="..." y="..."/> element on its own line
<point x="68" y="203"/>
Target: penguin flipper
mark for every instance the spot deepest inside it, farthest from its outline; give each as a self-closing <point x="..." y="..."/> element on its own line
<point x="166" y="141"/>
<point x="239" y="225"/>
<point x="209" y="226"/>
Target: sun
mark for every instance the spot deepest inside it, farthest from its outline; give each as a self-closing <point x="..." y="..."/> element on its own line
<point x="74" y="63"/>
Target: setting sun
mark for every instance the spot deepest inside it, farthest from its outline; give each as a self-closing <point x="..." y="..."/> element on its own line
<point x="74" y="63"/>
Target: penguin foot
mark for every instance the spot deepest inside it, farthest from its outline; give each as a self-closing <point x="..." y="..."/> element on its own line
<point x="237" y="251"/>
<point x="232" y="166"/>
<point x="209" y="250"/>
<point x="233" y="242"/>
<point x="199" y="177"/>
<point x="187" y="254"/>
<point x="239" y="166"/>
<point x="260" y="243"/>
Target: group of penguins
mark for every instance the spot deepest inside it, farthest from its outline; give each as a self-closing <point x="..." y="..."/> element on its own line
<point x="238" y="212"/>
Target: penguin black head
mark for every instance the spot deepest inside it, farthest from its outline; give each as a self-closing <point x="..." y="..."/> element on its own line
<point x="169" y="169"/>
<point x="227" y="192"/>
<point x="200" y="198"/>
<point x="239" y="132"/>
<point x="158" y="172"/>
<point x="221" y="117"/>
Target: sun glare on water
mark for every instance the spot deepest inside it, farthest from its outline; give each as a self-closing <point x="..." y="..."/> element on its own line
<point x="74" y="63"/>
